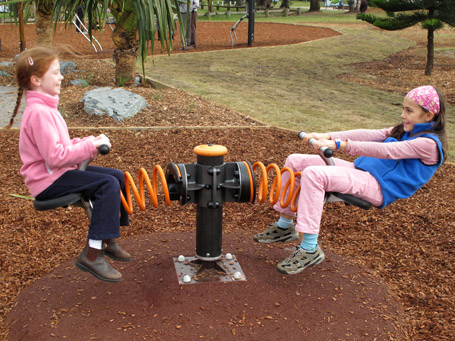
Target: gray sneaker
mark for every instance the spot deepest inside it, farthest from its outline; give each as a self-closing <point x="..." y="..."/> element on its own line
<point x="274" y="234"/>
<point x="300" y="260"/>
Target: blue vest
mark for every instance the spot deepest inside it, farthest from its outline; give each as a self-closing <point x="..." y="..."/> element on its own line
<point x="399" y="179"/>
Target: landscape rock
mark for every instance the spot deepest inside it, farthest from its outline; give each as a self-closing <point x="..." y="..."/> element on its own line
<point x="81" y="82"/>
<point x="67" y="66"/>
<point x="117" y="103"/>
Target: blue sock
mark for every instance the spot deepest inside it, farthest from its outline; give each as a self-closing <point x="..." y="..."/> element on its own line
<point x="284" y="223"/>
<point x="309" y="242"/>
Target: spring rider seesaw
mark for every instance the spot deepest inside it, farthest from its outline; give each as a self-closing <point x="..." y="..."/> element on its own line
<point x="209" y="183"/>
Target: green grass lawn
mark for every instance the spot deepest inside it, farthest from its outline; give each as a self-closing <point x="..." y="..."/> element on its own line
<point x="296" y="86"/>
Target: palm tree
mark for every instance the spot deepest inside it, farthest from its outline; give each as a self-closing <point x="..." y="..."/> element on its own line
<point x="137" y="22"/>
<point x="23" y="10"/>
<point x="44" y="34"/>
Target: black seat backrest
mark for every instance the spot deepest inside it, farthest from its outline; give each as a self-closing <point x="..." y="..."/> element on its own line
<point x="63" y="201"/>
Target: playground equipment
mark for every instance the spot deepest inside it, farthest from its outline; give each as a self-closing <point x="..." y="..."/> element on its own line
<point x="234" y="28"/>
<point x="78" y="23"/>
<point x="209" y="183"/>
<point x="250" y="15"/>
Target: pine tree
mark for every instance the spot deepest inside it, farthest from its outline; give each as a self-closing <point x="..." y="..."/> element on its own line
<point x="432" y="14"/>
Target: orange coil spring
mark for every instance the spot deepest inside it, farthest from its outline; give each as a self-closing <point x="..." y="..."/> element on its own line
<point x="151" y="187"/>
<point x="276" y="186"/>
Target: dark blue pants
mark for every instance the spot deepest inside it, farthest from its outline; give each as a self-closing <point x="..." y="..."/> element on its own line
<point x="102" y="186"/>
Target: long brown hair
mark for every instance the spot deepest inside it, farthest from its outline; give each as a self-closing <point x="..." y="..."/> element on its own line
<point x="439" y="127"/>
<point x="31" y="62"/>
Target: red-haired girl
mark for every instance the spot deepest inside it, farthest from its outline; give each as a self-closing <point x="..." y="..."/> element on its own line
<point x="50" y="161"/>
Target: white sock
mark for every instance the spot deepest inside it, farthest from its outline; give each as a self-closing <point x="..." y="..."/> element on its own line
<point x="95" y="244"/>
<point x="284" y="223"/>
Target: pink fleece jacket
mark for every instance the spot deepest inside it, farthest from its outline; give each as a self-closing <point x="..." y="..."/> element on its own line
<point x="45" y="147"/>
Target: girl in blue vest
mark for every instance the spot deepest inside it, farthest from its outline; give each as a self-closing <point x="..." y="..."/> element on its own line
<point x="393" y="164"/>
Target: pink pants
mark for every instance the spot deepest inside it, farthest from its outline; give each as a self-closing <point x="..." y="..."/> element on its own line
<point x="318" y="178"/>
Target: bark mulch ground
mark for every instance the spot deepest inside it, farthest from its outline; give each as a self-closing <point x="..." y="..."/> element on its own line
<point x="388" y="273"/>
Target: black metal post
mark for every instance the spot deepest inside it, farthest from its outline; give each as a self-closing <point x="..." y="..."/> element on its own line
<point x="209" y="214"/>
<point x="250" y="22"/>
<point x="209" y="183"/>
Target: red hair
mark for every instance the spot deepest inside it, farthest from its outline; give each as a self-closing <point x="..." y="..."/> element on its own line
<point x="31" y="62"/>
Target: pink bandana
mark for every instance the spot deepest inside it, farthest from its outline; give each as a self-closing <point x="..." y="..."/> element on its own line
<point x="427" y="97"/>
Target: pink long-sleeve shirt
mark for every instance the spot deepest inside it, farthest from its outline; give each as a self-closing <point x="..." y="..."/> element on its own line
<point x="45" y="147"/>
<point x="363" y="142"/>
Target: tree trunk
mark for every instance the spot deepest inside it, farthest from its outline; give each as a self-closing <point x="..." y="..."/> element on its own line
<point x="261" y="3"/>
<point x="315" y="6"/>
<point x="211" y="6"/>
<point x="285" y="4"/>
<point x="430" y="51"/>
<point x="125" y="55"/>
<point x="22" y="42"/>
<point x="126" y="44"/>
<point x="125" y="66"/>
<point x="267" y="4"/>
<point x="44" y="27"/>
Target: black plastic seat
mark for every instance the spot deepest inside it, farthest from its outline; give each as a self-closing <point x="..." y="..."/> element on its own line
<point x="63" y="201"/>
<point x="351" y="200"/>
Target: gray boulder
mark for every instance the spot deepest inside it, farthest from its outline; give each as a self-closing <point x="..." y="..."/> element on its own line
<point x="117" y="103"/>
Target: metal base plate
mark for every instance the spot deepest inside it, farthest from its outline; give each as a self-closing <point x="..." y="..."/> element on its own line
<point x="191" y="270"/>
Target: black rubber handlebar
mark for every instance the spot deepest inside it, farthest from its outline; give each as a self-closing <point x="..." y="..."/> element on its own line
<point x="328" y="152"/>
<point x="104" y="149"/>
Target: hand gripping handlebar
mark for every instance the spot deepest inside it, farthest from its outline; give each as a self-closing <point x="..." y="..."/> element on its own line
<point x="326" y="151"/>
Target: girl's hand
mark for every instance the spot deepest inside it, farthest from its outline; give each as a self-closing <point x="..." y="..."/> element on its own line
<point x="324" y="143"/>
<point x="316" y="136"/>
<point x="100" y="140"/>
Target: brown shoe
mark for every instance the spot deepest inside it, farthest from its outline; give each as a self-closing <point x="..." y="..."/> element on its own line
<point x="114" y="251"/>
<point x="93" y="261"/>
